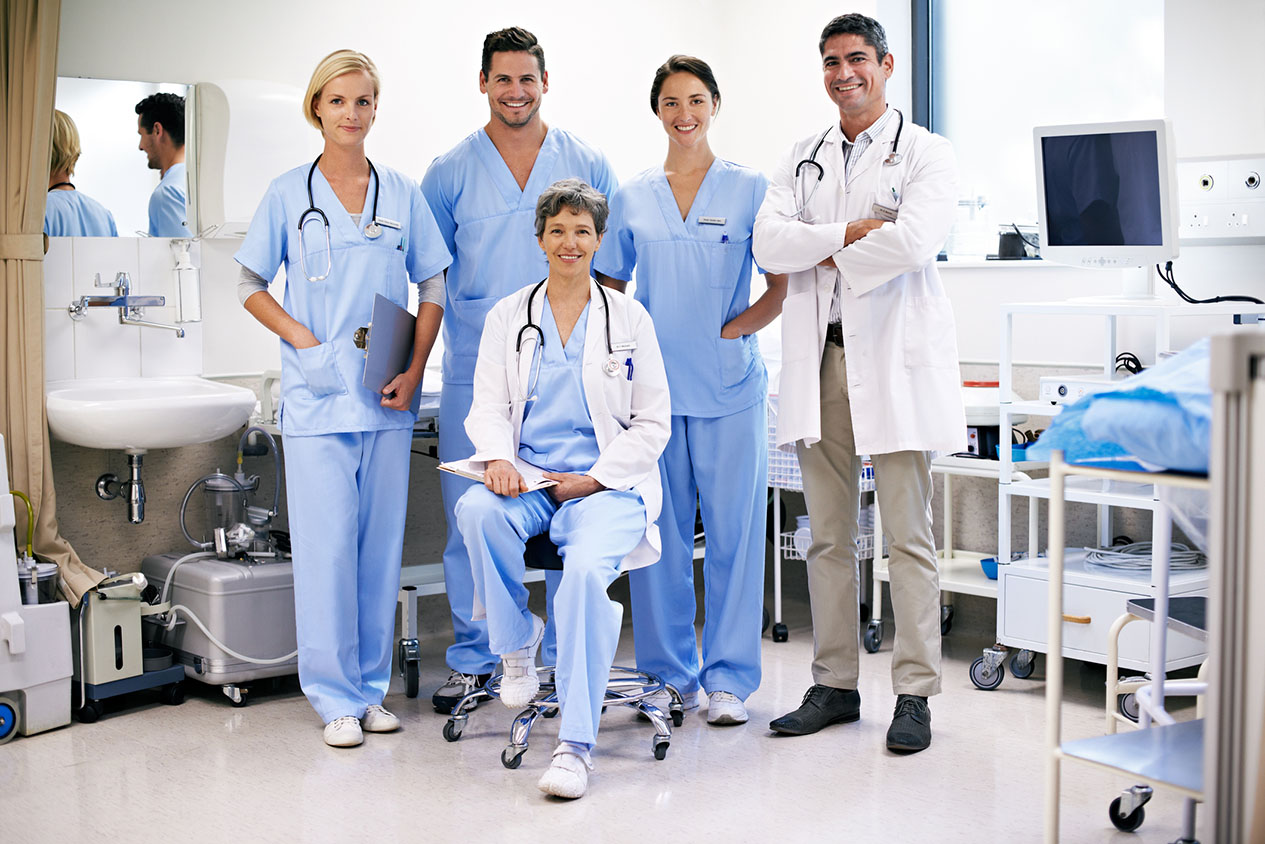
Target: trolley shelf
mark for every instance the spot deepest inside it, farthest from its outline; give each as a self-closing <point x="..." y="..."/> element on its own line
<point x="959" y="573"/>
<point x="1088" y="490"/>
<point x="1170" y="755"/>
<point x="1032" y="408"/>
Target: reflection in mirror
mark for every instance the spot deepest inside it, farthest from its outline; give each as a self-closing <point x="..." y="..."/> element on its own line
<point x="128" y="171"/>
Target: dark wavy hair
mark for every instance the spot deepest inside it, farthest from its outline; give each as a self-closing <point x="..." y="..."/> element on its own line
<point x="515" y="39"/>
<point x="167" y="109"/>
<point x="870" y="30"/>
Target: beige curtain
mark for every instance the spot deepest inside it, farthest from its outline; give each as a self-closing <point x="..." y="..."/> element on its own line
<point x="28" y="80"/>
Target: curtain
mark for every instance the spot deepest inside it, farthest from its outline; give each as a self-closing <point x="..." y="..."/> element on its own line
<point x="28" y="81"/>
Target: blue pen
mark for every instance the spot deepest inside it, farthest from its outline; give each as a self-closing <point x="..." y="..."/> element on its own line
<point x="628" y="363"/>
<point x="724" y="238"/>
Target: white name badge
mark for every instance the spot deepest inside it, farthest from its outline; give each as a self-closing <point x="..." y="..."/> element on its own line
<point x="390" y="224"/>
<point x="627" y="346"/>
<point x="711" y="221"/>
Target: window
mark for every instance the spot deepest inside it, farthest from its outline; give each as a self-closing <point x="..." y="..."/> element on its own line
<point x="997" y="68"/>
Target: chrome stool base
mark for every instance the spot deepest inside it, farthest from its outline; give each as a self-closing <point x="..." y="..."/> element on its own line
<point x="626" y="687"/>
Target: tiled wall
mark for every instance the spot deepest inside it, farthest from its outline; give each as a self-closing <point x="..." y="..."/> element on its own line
<point x="98" y="346"/>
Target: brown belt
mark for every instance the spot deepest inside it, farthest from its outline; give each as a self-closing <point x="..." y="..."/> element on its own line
<point x="834" y="334"/>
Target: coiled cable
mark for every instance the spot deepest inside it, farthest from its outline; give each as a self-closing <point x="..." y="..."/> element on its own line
<point x="1136" y="556"/>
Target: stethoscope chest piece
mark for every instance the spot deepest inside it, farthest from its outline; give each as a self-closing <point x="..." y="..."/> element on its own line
<point x="373" y="231"/>
<point x="611" y="367"/>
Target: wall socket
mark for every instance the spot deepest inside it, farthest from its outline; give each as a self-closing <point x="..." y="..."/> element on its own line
<point x="1222" y="201"/>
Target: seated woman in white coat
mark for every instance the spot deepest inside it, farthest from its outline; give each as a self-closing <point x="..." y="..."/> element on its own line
<point x="569" y="379"/>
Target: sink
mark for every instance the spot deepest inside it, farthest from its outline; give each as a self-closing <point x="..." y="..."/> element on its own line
<point x="135" y="414"/>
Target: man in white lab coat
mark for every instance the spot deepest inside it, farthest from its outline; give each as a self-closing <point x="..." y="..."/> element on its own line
<point x="857" y="215"/>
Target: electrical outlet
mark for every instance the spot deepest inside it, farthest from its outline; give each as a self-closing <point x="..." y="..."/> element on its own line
<point x="1221" y="201"/>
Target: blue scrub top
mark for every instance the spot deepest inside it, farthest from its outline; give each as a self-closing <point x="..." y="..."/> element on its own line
<point x="693" y="276"/>
<point x="167" y="211"/>
<point x="489" y="225"/>
<point x="321" y="389"/>
<point x="557" y="433"/>
<point x="69" y="213"/>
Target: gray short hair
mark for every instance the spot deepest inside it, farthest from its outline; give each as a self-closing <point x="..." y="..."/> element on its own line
<point x="575" y="194"/>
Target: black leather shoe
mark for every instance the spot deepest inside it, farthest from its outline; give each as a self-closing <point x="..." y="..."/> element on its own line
<point x="822" y="706"/>
<point x="911" y="725"/>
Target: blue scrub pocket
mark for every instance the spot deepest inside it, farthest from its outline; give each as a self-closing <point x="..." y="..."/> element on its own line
<point x="319" y="365"/>
<point x="727" y="261"/>
<point x="735" y="359"/>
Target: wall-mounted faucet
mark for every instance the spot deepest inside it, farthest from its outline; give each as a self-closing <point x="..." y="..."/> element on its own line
<point x="129" y="306"/>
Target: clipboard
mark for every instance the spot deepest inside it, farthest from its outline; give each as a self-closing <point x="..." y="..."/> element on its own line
<point x="388" y="345"/>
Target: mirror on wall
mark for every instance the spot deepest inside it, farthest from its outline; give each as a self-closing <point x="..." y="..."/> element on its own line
<point x="122" y="169"/>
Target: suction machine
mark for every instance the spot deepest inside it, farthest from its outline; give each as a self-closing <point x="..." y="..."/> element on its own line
<point x="227" y="610"/>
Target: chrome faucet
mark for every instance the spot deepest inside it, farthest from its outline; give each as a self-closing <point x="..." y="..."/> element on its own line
<point x="129" y="305"/>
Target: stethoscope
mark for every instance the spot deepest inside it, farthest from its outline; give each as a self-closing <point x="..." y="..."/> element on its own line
<point x="372" y="231"/>
<point x="893" y="158"/>
<point x="536" y="335"/>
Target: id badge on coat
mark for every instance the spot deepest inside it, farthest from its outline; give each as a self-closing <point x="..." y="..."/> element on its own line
<point x="882" y="212"/>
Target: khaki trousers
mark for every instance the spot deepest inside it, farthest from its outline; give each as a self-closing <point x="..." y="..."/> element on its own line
<point x="832" y="473"/>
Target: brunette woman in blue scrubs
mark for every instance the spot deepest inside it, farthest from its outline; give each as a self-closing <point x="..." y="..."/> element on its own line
<point x="685" y="227"/>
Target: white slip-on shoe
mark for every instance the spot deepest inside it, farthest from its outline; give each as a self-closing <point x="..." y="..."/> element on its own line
<point x="519" y="682"/>
<point x="344" y="732"/>
<point x="725" y="709"/>
<point x="567" y="775"/>
<point x="378" y="720"/>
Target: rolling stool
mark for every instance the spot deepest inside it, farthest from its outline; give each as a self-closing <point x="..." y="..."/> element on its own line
<point x="626" y="687"/>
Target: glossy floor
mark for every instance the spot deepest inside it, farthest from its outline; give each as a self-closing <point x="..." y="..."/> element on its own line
<point x="205" y="771"/>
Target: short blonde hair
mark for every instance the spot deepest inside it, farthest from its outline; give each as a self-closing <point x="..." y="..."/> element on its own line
<point x="331" y="67"/>
<point x="65" y="147"/>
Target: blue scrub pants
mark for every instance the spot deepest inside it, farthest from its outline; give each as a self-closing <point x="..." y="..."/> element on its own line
<point x="346" y="495"/>
<point x="593" y="535"/>
<point x="469" y="652"/>
<point x="721" y="462"/>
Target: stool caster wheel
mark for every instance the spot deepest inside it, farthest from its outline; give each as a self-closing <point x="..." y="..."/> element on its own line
<point x="452" y="730"/>
<point x="678" y="718"/>
<point x="411" y="679"/>
<point x="553" y="713"/>
<point x="780" y="633"/>
<point x="764" y="620"/>
<point x="660" y="749"/>
<point x="946" y="619"/>
<point x="512" y="757"/>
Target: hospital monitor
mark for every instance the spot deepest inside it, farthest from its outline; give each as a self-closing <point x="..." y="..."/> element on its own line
<point x="1106" y="197"/>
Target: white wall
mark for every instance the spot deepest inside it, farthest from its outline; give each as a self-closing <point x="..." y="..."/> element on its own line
<point x="600" y="60"/>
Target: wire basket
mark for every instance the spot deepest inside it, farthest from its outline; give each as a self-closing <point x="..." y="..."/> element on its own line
<point x="784" y="465"/>
<point x="865" y="547"/>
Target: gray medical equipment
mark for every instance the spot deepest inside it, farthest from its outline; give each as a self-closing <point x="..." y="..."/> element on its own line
<point x="228" y="608"/>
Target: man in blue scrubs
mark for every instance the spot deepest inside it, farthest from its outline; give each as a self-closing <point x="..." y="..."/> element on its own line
<point x="483" y="194"/>
<point x="160" y="123"/>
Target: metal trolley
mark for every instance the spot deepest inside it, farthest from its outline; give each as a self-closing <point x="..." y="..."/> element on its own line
<point x="784" y="474"/>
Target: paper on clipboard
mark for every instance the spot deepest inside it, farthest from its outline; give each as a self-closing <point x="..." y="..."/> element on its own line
<point x="389" y="346"/>
<point x="533" y="476"/>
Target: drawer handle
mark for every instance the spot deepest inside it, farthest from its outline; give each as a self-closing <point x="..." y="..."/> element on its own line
<point x="1077" y="619"/>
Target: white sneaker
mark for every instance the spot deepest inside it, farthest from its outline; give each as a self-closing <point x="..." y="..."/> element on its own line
<point x="725" y="709"/>
<point x="344" y="732"/>
<point x="519" y="682"/>
<point x="567" y="775"/>
<point x="378" y="720"/>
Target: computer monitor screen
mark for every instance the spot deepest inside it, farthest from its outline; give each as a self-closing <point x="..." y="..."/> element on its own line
<point x="1105" y="193"/>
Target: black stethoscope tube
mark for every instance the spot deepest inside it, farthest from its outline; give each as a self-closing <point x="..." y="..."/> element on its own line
<point x="540" y="334"/>
<point x="311" y="201"/>
<point x="892" y="158"/>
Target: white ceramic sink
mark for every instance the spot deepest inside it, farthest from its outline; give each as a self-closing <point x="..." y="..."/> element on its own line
<point x="145" y="413"/>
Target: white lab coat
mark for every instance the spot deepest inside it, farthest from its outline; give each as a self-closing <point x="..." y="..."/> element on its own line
<point x="899" y="339"/>
<point x="631" y="417"/>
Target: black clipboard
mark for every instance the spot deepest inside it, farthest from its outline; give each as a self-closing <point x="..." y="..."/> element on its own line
<point x="389" y="346"/>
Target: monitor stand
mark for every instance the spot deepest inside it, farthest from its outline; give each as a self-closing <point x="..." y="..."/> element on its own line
<point x="1137" y="284"/>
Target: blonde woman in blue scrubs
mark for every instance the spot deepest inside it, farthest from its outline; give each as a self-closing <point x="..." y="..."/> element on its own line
<point x="345" y="230"/>
<point x="685" y="227"/>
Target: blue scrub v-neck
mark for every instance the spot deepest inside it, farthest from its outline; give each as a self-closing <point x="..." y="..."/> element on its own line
<point x="681" y="228"/>
<point x="557" y="432"/>
<point x="503" y="178"/>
